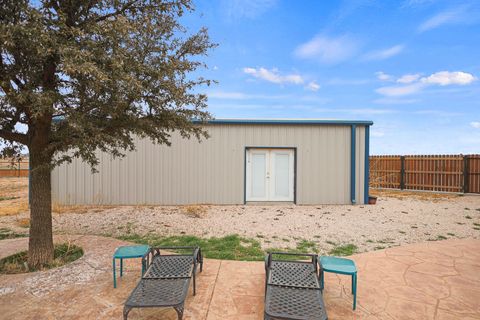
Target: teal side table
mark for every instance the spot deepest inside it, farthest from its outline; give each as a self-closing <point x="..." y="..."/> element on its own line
<point x="340" y="266"/>
<point x="127" y="252"/>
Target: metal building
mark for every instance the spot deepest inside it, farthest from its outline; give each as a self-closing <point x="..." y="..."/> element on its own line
<point x="243" y="161"/>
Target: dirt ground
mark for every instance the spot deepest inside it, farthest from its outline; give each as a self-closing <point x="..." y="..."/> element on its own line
<point x="397" y="218"/>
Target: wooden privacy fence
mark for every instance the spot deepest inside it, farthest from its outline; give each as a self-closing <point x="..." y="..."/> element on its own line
<point x="15" y="169"/>
<point x="447" y="173"/>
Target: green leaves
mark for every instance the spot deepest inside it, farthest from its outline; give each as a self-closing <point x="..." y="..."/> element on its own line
<point x="108" y="69"/>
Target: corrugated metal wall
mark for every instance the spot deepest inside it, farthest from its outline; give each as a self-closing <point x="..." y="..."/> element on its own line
<point x="212" y="172"/>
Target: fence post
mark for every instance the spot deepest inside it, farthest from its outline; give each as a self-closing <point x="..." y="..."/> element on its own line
<point x="402" y="172"/>
<point x="465" y="174"/>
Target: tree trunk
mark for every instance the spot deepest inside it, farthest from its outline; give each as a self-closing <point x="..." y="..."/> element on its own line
<point x="40" y="245"/>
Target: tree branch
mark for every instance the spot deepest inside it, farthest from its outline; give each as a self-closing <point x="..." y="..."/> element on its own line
<point x="14" y="136"/>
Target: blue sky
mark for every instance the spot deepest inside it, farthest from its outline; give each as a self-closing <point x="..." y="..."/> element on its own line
<point x="413" y="67"/>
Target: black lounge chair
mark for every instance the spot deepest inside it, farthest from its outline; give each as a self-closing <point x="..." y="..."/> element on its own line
<point x="292" y="288"/>
<point x="166" y="279"/>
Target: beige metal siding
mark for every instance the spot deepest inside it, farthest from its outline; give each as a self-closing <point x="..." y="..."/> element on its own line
<point x="213" y="171"/>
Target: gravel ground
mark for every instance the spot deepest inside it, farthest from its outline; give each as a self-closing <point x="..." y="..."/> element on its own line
<point x="397" y="218"/>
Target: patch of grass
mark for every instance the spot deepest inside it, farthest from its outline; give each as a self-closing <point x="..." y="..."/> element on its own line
<point x="232" y="247"/>
<point x="8" y="198"/>
<point x="9" y="234"/>
<point x="345" y="250"/>
<point x="306" y="246"/>
<point x="63" y="254"/>
<point x="468" y="217"/>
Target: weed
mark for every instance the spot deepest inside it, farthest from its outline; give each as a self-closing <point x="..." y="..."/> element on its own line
<point x="345" y="250"/>
<point x="306" y="246"/>
<point x="9" y="234"/>
<point x="196" y="211"/>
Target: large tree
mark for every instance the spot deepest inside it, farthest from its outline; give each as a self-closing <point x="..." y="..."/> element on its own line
<point x="85" y="75"/>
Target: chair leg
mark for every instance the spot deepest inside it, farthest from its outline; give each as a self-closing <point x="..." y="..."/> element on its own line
<point x="114" y="275"/>
<point x="126" y="310"/>
<point x="121" y="267"/>
<point x="354" y="289"/>
<point x="179" y="311"/>
<point x="322" y="280"/>
<point x="194" y="284"/>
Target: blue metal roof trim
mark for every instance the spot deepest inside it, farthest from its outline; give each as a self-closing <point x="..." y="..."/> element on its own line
<point x="287" y="121"/>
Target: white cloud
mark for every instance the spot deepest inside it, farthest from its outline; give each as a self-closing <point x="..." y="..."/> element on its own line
<point x="273" y="75"/>
<point x="313" y="86"/>
<point x="396" y="91"/>
<point x="412" y="83"/>
<point x="475" y="124"/>
<point x="408" y="78"/>
<point x="385" y="53"/>
<point x="445" y="78"/>
<point x="328" y="50"/>
<point x="446" y="17"/>
<point x="394" y="101"/>
<point x="383" y="76"/>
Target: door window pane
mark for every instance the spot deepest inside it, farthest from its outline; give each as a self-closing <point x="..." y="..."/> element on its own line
<point x="258" y="175"/>
<point x="282" y="185"/>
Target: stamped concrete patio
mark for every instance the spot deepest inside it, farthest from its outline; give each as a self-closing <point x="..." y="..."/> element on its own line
<point x="434" y="280"/>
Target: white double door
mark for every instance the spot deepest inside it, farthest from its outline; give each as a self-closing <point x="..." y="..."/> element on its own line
<point x="270" y="175"/>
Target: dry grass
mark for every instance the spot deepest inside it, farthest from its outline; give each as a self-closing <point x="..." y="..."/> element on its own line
<point x="23" y="222"/>
<point x="195" y="211"/>
<point x="13" y="208"/>
<point x="79" y="209"/>
<point x="418" y="195"/>
<point x="14" y="192"/>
